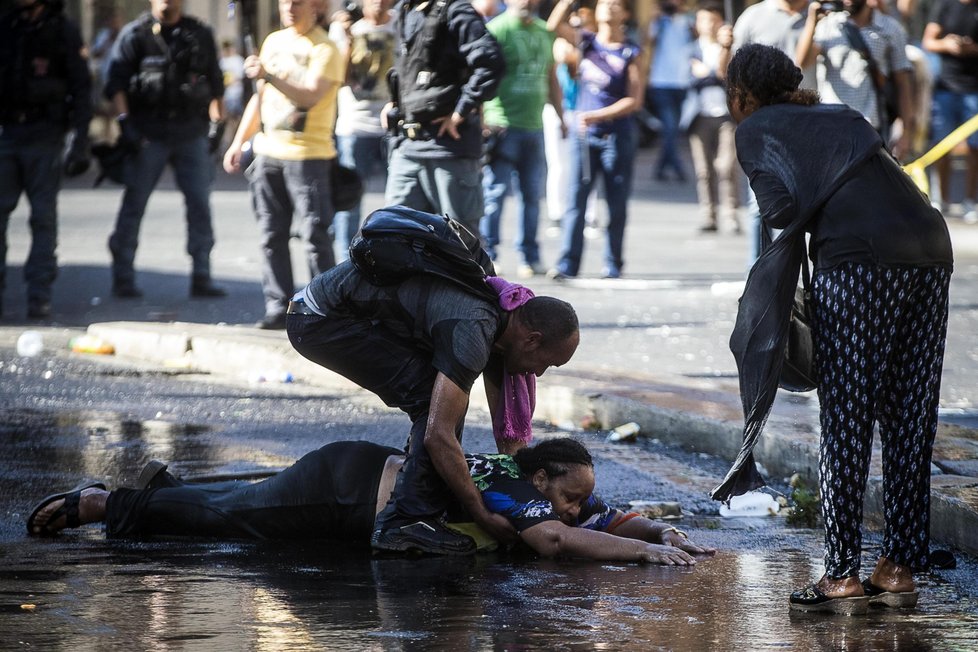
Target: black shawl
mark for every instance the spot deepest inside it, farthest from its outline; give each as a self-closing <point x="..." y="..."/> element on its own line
<point x="795" y="158"/>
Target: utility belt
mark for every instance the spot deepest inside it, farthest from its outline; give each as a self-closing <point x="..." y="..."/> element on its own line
<point x="300" y="308"/>
<point x="417" y="130"/>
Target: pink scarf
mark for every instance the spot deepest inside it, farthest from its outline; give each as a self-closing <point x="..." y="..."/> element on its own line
<point x="511" y="421"/>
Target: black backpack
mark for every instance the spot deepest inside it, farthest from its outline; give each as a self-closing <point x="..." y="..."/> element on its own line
<point x="397" y="242"/>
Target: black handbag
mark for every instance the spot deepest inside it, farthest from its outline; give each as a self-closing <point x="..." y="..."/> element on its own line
<point x="347" y="187"/>
<point x="798" y="370"/>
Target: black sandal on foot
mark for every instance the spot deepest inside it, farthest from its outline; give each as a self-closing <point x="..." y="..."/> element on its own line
<point x="895" y="599"/>
<point x="811" y="598"/>
<point x="69" y="509"/>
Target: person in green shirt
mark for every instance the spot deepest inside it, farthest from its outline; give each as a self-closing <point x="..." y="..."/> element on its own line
<point x="514" y="122"/>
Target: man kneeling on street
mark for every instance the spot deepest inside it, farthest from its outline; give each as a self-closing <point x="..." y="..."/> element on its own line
<point x="419" y="345"/>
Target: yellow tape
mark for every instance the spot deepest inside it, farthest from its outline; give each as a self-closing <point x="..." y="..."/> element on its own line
<point x="918" y="169"/>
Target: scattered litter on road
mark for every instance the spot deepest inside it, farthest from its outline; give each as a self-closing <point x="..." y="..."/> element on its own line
<point x="91" y="344"/>
<point x="270" y="376"/>
<point x="752" y="503"/>
<point x="625" y="432"/>
<point x="29" y="344"/>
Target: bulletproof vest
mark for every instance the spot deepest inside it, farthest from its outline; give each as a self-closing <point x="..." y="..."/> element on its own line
<point x="172" y="78"/>
<point x="33" y="68"/>
<point x="429" y="79"/>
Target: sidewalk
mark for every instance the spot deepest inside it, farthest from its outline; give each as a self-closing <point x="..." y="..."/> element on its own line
<point x="654" y="344"/>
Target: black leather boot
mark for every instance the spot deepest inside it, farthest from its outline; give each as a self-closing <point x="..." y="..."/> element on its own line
<point x="201" y="287"/>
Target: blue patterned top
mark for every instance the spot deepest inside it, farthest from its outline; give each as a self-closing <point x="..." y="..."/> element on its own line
<point x="506" y="491"/>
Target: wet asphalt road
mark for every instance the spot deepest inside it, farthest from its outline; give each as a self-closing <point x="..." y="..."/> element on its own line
<point x="65" y="417"/>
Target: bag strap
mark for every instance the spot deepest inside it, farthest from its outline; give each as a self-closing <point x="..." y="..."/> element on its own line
<point x="858" y="43"/>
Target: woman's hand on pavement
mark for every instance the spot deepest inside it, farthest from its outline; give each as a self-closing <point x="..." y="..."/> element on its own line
<point x="676" y="540"/>
<point x="655" y="553"/>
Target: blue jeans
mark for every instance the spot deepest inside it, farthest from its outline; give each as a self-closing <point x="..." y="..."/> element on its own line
<point x="193" y="169"/>
<point x="279" y="190"/>
<point x="363" y="154"/>
<point x="30" y="161"/>
<point x="444" y="186"/>
<point x="611" y="157"/>
<point x="950" y="110"/>
<point x="518" y="151"/>
<point x="667" y="105"/>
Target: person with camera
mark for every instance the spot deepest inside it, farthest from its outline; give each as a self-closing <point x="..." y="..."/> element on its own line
<point x="45" y="91"/>
<point x="861" y="60"/>
<point x="879" y="308"/>
<point x="366" y="39"/>
<point x="166" y="86"/>
<point x="447" y="66"/>
<point x="298" y="71"/>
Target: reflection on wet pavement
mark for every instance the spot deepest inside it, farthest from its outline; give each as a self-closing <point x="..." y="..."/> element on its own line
<point x="266" y="596"/>
<point x="82" y="591"/>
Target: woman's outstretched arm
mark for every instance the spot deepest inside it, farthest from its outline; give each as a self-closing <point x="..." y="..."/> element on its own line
<point x="555" y="539"/>
<point x="644" y="529"/>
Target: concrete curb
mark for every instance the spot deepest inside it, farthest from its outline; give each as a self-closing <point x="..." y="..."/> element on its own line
<point x="708" y="422"/>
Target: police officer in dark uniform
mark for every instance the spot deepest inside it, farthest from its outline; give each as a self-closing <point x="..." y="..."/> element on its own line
<point x="166" y="86"/>
<point x="45" y="90"/>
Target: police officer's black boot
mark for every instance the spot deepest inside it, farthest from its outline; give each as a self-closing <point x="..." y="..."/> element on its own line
<point x="201" y="287"/>
<point x="125" y="289"/>
<point x="38" y="309"/>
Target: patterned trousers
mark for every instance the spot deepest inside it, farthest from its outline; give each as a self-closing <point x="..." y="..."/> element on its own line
<point x="879" y="337"/>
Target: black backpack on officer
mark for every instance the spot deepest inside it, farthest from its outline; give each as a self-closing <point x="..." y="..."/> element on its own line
<point x="397" y="242"/>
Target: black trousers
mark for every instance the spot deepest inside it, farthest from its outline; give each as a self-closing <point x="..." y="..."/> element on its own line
<point x="401" y="374"/>
<point x="879" y="335"/>
<point x="330" y="493"/>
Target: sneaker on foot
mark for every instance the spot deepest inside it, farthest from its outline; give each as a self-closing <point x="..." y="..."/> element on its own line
<point x="529" y="270"/>
<point x="126" y="290"/>
<point x="427" y="537"/>
<point x="970" y="215"/>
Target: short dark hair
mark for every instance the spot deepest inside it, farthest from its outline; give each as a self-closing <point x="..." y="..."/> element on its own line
<point x="554" y="319"/>
<point x="711" y="6"/>
<point x="768" y="75"/>
<point x="554" y="456"/>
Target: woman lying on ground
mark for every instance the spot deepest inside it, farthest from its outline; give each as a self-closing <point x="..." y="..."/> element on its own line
<point x="334" y="493"/>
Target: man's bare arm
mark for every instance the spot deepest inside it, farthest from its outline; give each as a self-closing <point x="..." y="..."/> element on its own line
<point x="448" y="406"/>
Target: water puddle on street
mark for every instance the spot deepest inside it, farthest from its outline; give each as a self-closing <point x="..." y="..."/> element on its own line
<point x="80" y="590"/>
<point x="84" y="592"/>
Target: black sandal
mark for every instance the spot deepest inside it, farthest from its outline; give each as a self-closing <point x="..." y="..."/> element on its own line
<point x="69" y="509"/>
<point x="895" y="599"/>
<point x="812" y="599"/>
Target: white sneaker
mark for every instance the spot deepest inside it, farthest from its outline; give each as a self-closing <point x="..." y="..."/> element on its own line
<point x="970" y="215"/>
<point x="529" y="270"/>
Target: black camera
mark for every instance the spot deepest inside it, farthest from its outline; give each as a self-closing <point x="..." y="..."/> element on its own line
<point x="355" y="11"/>
<point x="830" y="6"/>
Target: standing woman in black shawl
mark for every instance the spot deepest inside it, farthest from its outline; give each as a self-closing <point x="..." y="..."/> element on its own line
<point x="882" y="261"/>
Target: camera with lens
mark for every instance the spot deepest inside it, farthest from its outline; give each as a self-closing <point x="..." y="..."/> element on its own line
<point x="830" y="6"/>
<point x="354" y="9"/>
